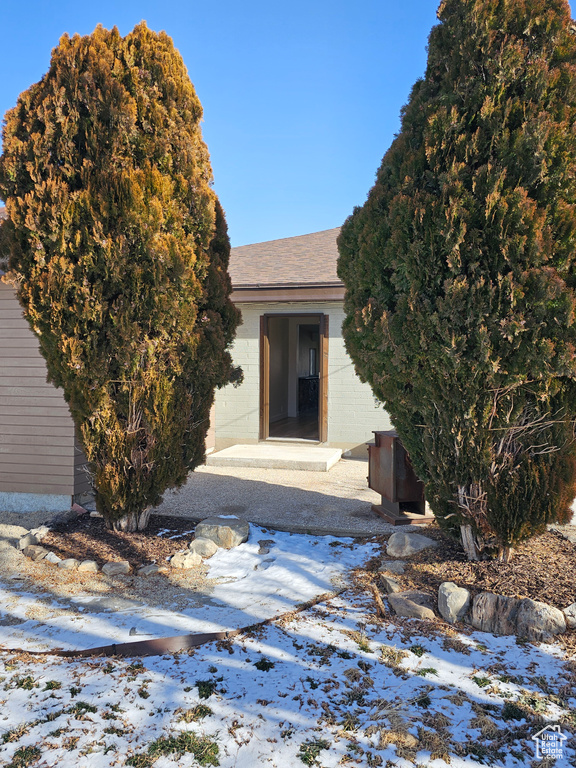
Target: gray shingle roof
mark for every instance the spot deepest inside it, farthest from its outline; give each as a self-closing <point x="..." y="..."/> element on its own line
<point x="293" y="261"/>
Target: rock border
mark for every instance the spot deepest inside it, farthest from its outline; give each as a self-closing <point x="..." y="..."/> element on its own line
<point x="212" y="534"/>
<point x="500" y="615"/>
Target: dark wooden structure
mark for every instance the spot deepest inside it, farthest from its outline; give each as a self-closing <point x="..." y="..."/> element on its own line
<point x="391" y="475"/>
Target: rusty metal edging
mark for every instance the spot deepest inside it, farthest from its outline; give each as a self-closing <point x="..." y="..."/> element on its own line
<point x="160" y="645"/>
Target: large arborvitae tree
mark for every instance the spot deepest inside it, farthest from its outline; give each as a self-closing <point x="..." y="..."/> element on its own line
<point x="119" y="251"/>
<point x="460" y="271"/>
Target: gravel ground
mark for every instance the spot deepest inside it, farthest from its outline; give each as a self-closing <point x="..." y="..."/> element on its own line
<point x="337" y="502"/>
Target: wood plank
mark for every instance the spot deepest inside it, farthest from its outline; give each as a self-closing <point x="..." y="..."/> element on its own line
<point x="27" y="341"/>
<point x="38" y="486"/>
<point x="32" y="438"/>
<point x="55" y="476"/>
<point x="21" y="333"/>
<point x="14" y="323"/>
<point x="48" y="455"/>
<point x="11" y="424"/>
<point x="33" y="365"/>
<point x="323" y="394"/>
<point x="18" y="379"/>
<point x="264" y="378"/>
<point x="42" y="391"/>
<point x="36" y="408"/>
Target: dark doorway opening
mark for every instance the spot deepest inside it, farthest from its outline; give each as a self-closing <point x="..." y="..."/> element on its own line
<point x="293" y="351"/>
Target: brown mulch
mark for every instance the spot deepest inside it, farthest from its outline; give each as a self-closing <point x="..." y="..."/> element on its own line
<point x="87" y="538"/>
<point x="542" y="569"/>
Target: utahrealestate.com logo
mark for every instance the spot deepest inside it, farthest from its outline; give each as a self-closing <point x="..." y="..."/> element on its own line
<point x="549" y="742"/>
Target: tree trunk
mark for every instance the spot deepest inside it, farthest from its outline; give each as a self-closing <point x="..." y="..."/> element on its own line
<point x="135" y="521"/>
<point x="471" y="542"/>
<point x="505" y="554"/>
<point x="470" y="501"/>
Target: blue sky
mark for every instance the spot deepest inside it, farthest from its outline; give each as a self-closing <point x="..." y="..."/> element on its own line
<point x="301" y="99"/>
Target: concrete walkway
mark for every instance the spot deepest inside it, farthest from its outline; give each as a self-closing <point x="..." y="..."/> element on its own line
<point x="337" y="502"/>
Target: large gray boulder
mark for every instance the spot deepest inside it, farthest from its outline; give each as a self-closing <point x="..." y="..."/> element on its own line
<point x="495" y="613"/>
<point x="224" y="531"/>
<point x="539" y="622"/>
<point x="453" y="602"/>
<point x="512" y="616"/>
<point x="402" y="544"/>
<point x="411" y="604"/>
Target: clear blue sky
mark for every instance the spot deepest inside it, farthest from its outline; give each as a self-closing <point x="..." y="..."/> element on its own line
<point x="301" y="99"/>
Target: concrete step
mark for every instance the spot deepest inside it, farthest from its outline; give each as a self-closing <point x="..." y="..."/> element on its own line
<point x="276" y="456"/>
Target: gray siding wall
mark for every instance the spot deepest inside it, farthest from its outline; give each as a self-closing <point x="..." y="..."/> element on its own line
<point x="37" y="452"/>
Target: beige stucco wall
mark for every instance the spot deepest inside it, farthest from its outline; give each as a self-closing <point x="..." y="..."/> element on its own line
<point x="352" y="411"/>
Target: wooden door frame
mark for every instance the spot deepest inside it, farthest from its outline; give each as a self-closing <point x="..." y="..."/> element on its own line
<point x="318" y="318"/>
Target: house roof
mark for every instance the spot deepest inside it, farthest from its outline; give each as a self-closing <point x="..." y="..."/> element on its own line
<point x="304" y="261"/>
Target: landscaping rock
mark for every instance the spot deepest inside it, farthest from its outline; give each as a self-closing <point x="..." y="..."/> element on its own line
<point x="185" y="559"/>
<point x="203" y="547"/>
<point x="453" y="602"/>
<point x="41" y="532"/>
<point x="570" y="616"/>
<point x="402" y="544"/>
<point x="34" y="552"/>
<point x="70" y="564"/>
<point x="539" y="622"/>
<point x="149" y="570"/>
<point x="394" y="566"/>
<point x="11" y="534"/>
<point x="28" y="540"/>
<point x="227" y="532"/>
<point x="495" y="613"/>
<point x="390" y="585"/>
<point x="52" y="558"/>
<point x="88" y="566"/>
<point x="116" y="568"/>
<point x="412" y="605"/>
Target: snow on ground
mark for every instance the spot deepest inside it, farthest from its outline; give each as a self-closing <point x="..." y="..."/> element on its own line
<point x="330" y="686"/>
<point x="251" y="587"/>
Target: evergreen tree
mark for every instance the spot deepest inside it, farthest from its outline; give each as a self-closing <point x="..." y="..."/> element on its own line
<point x="119" y="250"/>
<point x="460" y="271"/>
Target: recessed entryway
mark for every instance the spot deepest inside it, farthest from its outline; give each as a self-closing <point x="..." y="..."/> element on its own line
<point x="293" y="382"/>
